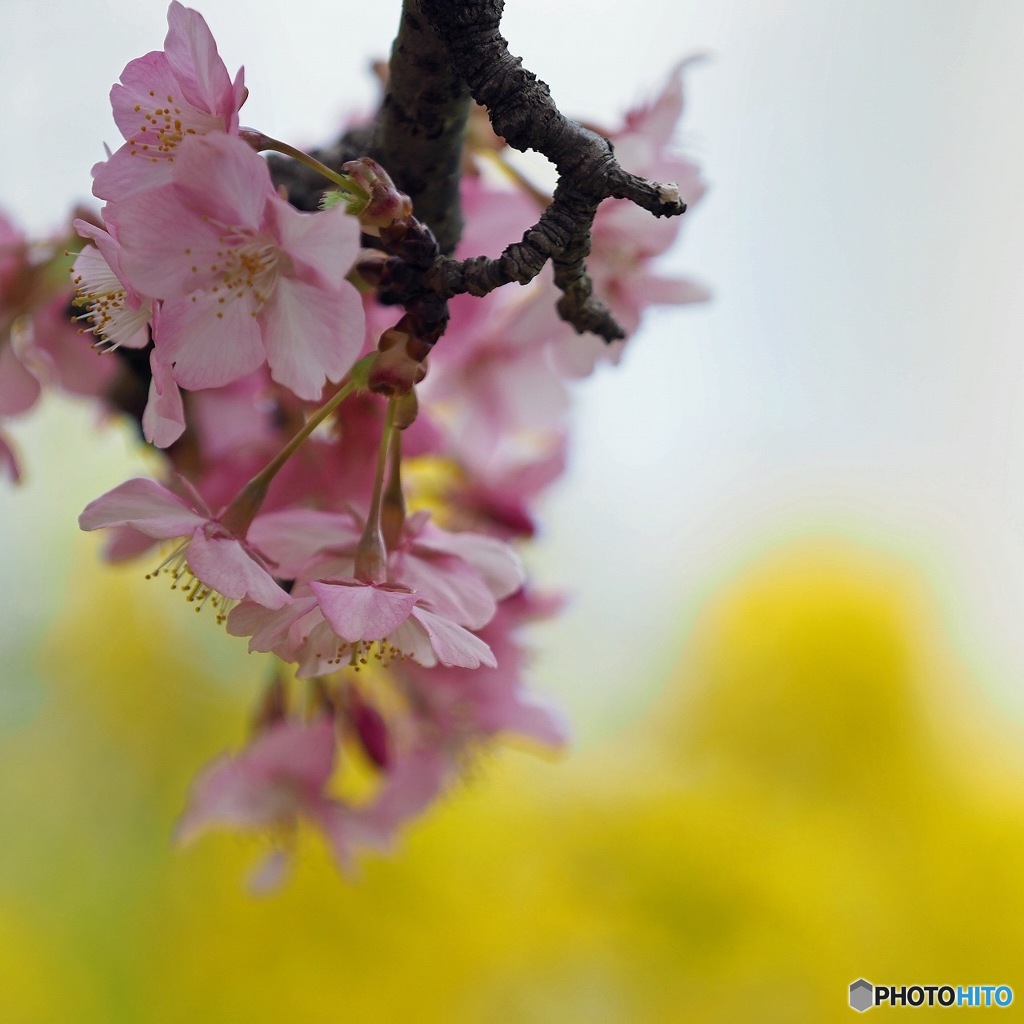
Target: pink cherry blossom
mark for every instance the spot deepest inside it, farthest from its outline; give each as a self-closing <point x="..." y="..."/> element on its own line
<point x="493" y="385"/>
<point x="626" y="240"/>
<point x="39" y="345"/>
<point x="459" y="575"/>
<point x="395" y="619"/>
<point x="242" y="306"/>
<point x="441" y="587"/>
<point x="163" y="98"/>
<point x="345" y="622"/>
<point x="118" y="314"/>
<point x="466" y="707"/>
<point x="208" y="556"/>
<point x="277" y="780"/>
<point x="244" y="278"/>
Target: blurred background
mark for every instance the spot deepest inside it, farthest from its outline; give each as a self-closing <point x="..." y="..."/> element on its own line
<point x="791" y="532"/>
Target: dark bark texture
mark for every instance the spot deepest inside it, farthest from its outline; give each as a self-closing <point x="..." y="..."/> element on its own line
<point x="524" y="114"/>
<point x="446" y="52"/>
<point x="422" y="124"/>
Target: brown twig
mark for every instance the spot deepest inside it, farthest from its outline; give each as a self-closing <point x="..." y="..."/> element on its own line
<point x="522" y="111"/>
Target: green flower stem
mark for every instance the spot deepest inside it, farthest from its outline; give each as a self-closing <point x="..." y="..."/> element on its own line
<point x="345" y="183"/>
<point x="240" y="513"/>
<point x="392" y="513"/>
<point x="371" y="563"/>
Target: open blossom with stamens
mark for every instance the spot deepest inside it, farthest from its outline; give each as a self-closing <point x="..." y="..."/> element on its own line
<point x="243" y="277"/>
<point x="118" y="315"/>
<point x="214" y="563"/>
<point x="441" y="587"/>
<point x="462" y="575"/>
<point x="345" y="622"/>
<point x="405" y="636"/>
<point x="163" y="98"/>
<point x="39" y="345"/>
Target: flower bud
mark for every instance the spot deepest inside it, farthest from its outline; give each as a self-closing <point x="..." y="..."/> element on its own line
<point x="406" y="409"/>
<point x="371" y="729"/>
<point x="387" y="205"/>
<point x="256" y="139"/>
<point x="395" y="371"/>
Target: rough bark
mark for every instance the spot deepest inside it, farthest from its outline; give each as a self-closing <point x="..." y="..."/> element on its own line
<point x="422" y="124"/>
<point x="445" y="52"/>
<point x="522" y="111"/>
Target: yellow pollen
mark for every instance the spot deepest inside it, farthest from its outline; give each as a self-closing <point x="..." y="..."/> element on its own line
<point x="358" y="654"/>
<point x="196" y="592"/>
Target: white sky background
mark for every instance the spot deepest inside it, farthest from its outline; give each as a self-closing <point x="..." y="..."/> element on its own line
<point x="859" y="370"/>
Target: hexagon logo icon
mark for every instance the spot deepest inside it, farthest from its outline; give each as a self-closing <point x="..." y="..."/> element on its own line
<point x="862" y="995"/>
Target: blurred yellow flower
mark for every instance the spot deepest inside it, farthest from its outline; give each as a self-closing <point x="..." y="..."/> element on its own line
<point x="815" y="799"/>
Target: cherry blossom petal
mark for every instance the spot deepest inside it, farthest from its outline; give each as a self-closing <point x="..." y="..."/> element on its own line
<point x="167" y="249"/>
<point x="146" y="506"/>
<point x="292" y="537"/>
<point x="452" y="644"/>
<point x="223" y="178"/>
<point x="312" y="333"/>
<point x="672" y="291"/>
<point x="209" y="344"/>
<point x="412" y="784"/>
<point x="345" y="831"/>
<point x="323" y="247"/>
<point x="226" y="567"/>
<point x="163" y="420"/>
<point x="19" y="389"/>
<point x="363" y="611"/>
<point x="269" y="629"/>
<point x="496" y="562"/>
<point x="451" y="587"/>
<point x="270" y="872"/>
<point x="271" y="781"/>
<point x="192" y="56"/>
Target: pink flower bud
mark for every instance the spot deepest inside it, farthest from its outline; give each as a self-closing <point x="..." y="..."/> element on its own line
<point x="371" y="729"/>
<point x="387" y="205"/>
<point x="395" y="371"/>
<point x="256" y="139"/>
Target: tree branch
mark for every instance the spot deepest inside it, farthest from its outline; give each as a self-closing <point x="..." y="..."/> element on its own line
<point x="422" y="124"/>
<point x="522" y="111"/>
<point x="445" y="52"/>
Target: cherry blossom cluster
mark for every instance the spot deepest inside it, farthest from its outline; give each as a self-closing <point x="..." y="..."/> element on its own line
<point x="362" y="532"/>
